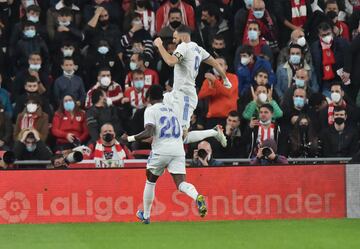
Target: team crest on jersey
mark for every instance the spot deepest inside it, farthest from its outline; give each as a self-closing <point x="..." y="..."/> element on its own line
<point x="78" y="118"/>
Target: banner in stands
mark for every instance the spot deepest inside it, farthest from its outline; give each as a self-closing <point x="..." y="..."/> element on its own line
<point x="114" y="195"/>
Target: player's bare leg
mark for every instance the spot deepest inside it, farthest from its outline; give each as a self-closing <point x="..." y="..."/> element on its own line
<point x="190" y="190"/>
<point x="197" y="136"/>
<point x="148" y="197"/>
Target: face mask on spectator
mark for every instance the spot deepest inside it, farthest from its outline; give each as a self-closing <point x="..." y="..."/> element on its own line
<point x="295" y="59"/>
<point x="299" y="102"/>
<point x="249" y="3"/>
<point x="259" y="14"/>
<point x="245" y="60"/>
<point x="262" y="97"/>
<point x="69" y="106"/>
<point x="335" y="97"/>
<point x="299" y="83"/>
<point x="67" y="23"/>
<point x="30" y="33"/>
<point x="301" y="41"/>
<point x="332" y="14"/>
<point x="327" y="39"/>
<point x="29" y="3"/>
<point x="34" y="67"/>
<point x="219" y="51"/>
<point x="33" y="19"/>
<point x="69" y="73"/>
<point x="175" y="24"/>
<point x="103" y="50"/>
<point x="339" y="121"/>
<point x="253" y="35"/>
<point x="31" y="148"/>
<point x="107" y="137"/>
<point x="68" y="52"/>
<point x="31" y="107"/>
<point x="105" y="81"/>
<point x="139" y="84"/>
<point x="133" y="66"/>
<point x="265" y="122"/>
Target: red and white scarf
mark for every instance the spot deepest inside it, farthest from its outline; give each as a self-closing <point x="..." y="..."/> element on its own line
<point x="102" y="153"/>
<point x="331" y="111"/>
<point x="137" y="99"/>
<point x="298" y="12"/>
<point x="266" y="133"/>
<point x="28" y="121"/>
<point x="328" y="60"/>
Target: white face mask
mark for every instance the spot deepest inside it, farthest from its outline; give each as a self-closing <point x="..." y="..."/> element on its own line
<point x="245" y="60"/>
<point x="265" y="122"/>
<point x="31" y="107"/>
<point x="105" y="81"/>
<point x="68" y="52"/>
<point x="301" y="41"/>
<point x="327" y="39"/>
<point x="262" y="97"/>
<point x="35" y="67"/>
<point x="335" y="97"/>
<point x="71" y="73"/>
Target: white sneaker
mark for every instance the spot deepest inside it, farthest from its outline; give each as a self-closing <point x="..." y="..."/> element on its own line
<point x="220" y="136"/>
<point x="227" y="83"/>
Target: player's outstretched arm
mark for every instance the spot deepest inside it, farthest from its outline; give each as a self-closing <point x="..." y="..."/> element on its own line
<point x="169" y="59"/>
<point x="145" y="134"/>
<point x="212" y="62"/>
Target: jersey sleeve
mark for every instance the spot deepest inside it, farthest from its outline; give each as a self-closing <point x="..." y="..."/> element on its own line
<point x="149" y="117"/>
<point x="204" y="54"/>
<point x="180" y="51"/>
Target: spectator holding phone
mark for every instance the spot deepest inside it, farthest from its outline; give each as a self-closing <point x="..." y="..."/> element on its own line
<point x="267" y="154"/>
<point x="69" y="125"/>
<point x="203" y="156"/>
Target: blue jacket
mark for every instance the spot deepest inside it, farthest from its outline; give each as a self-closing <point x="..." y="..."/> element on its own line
<point x="246" y="77"/>
<point x="340" y="47"/>
<point x="5" y="101"/>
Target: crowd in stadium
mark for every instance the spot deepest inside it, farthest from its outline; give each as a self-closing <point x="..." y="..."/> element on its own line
<point x="69" y="66"/>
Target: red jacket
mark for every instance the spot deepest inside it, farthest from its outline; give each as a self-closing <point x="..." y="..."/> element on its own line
<point x="163" y="12"/>
<point x="151" y="78"/>
<point x="221" y="99"/>
<point x="63" y="124"/>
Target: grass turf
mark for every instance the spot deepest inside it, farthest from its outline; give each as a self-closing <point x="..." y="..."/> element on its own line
<point x="294" y="234"/>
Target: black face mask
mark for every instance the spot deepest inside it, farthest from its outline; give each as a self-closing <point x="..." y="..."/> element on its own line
<point x="303" y="129"/>
<point x="104" y="23"/>
<point x="339" y="121"/>
<point x="219" y="51"/>
<point x="108" y="137"/>
<point x="175" y="24"/>
<point x="331" y="14"/>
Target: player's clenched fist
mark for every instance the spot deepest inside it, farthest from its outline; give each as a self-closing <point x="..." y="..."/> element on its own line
<point x="158" y="42"/>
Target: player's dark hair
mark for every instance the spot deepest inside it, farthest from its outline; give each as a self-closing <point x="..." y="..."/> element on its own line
<point x="184" y="29"/>
<point x="155" y="92"/>
<point x="267" y="106"/>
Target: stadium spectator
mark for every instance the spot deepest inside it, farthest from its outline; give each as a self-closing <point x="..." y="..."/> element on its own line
<point x="211" y="25"/>
<point x="297" y="37"/>
<point x="144" y="9"/>
<point x="29" y="43"/>
<point x="236" y="144"/>
<point x="249" y="65"/>
<point x="175" y="21"/>
<point x="35" y="69"/>
<point x="107" y="151"/>
<point x="32" y="90"/>
<point x="203" y="156"/>
<point x="267" y="154"/>
<point x="69" y="83"/>
<point x="69" y="125"/>
<point x="140" y="62"/>
<point x="255" y="40"/>
<point x="32" y="117"/>
<point x="137" y="40"/>
<point x="162" y="14"/>
<point x="328" y="55"/>
<point x="115" y="12"/>
<point x="261" y="94"/>
<point x="31" y="147"/>
<point x="100" y="114"/>
<point x="291" y="15"/>
<point x="5" y="100"/>
<point x="101" y="28"/>
<point x="136" y="93"/>
<point x="341" y="29"/>
<point x="6" y="129"/>
<point x="303" y="140"/>
<point x="112" y="89"/>
<point x="285" y="73"/>
<point x="261" y="129"/>
<point x="340" y="139"/>
<point x="220" y="98"/>
<point x="219" y="48"/>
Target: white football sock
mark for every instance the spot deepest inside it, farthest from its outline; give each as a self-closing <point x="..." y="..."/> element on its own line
<point x="188" y="189"/>
<point x="148" y="197"/>
<point x="196" y="136"/>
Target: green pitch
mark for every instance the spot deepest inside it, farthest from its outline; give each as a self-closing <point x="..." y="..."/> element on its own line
<point x="277" y="234"/>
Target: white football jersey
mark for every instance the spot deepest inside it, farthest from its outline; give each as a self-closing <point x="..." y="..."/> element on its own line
<point x="167" y="139"/>
<point x="190" y="56"/>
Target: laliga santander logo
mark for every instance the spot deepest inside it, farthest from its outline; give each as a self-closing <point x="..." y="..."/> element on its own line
<point x="14" y="207"/>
